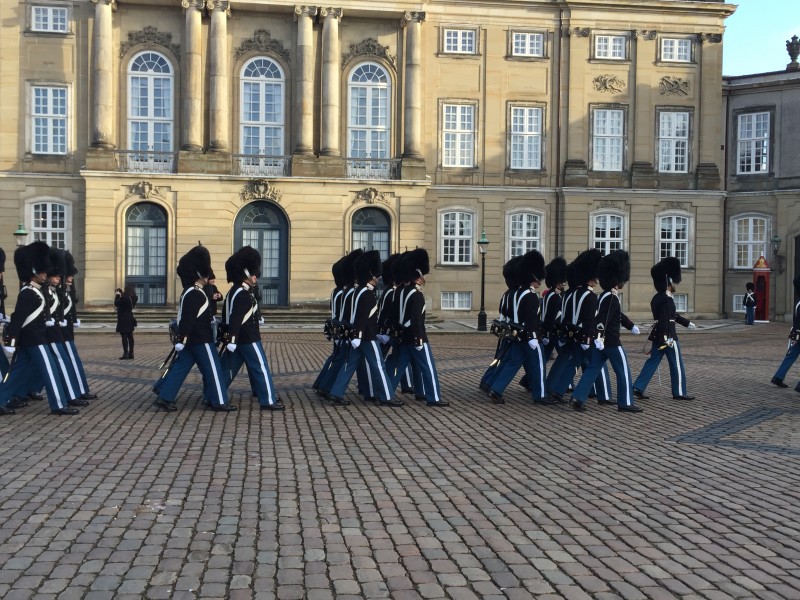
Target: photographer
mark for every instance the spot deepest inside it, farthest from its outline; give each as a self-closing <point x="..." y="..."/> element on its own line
<point x="125" y="301"/>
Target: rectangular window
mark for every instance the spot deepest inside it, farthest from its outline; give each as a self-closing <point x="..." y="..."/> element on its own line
<point x="674" y="238"/>
<point x="524" y="233"/>
<point x="459" y="41"/>
<point x="738" y="303"/>
<point x="49" y="120"/>
<point x="608" y="139"/>
<point x="607" y="232"/>
<point x="456" y="300"/>
<point x="681" y="302"/>
<point x="673" y="142"/>
<point x="526" y="138"/>
<point x="752" y="147"/>
<point x="50" y="224"/>
<point x="749" y="241"/>
<point x="458" y="143"/>
<point x="676" y="50"/>
<point x="609" y="46"/>
<point x="457" y="238"/>
<point x="49" y="19"/>
<point x="527" y="44"/>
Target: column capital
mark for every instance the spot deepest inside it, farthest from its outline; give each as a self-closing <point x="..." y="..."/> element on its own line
<point x="220" y="5"/>
<point x="111" y="3"/>
<point x="302" y="9"/>
<point x="413" y="16"/>
<point x="196" y="4"/>
<point x="336" y="13"/>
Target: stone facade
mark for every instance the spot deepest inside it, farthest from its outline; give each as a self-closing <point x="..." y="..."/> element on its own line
<point x="486" y="117"/>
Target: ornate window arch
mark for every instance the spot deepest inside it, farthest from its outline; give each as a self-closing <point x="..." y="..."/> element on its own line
<point x="151" y="85"/>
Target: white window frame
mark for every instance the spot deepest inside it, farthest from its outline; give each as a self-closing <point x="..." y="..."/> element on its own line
<point x="534" y="242"/>
<point x="681" y="302"/>
<point x="457" y="298"/>
<point x="263" y="124"/>
<point x="463" y="244"/>
<point x="675" y="242"/>
<point x="376" y="121"/>
<point x="457" y="40"/>
<point x="738" y="303"/>
<point x="527" y="44"/>
<point x="674" y="131"/>
<point x="606" y="243"/>
<point x="753" y="143"/>
<point x="459" y="144"/>
<point x="150" y="118"/>
<point x="677" y="50"/>
<point x="749" y="244"/>
<point x="609" y="46"/>
<point x="56" y="19"/>
<point x="608" y="145"/>
<point x="46" y="233"/>
<point x="50" y="120"/>
<point x="525" y="133"/>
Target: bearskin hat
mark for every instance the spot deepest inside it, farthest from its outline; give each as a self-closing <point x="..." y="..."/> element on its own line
<point x="530" y="267"/>
<point x="193" y="265"/>
<point x="243" y="263"/>
<point x="572" y="280"/>
<point x="614" y="269"/>
<point x="32" y="259"/>
<point x="336" y="270"/>
<point x="586" y="264"/>
<point x="750" y="287"/>
<point x="58" y="263"/>
<point x="796" y="283"/>
<point x="2" y="260"/>
<point x="555" y="272"/>
<point x="509" y="274"/>
<point x="386" y="270"/>
<point x="349" y="266"/>
<point x="400" y="269"/>
<point x="367" y="266"/>
<point x="419" y="262"/>
<point x="666" y="271"/>
<point x="71" y="268"/>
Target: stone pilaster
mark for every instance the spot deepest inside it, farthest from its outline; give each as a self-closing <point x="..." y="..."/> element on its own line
<point x="219" y="109"/>
<point x="331" y="77"/>
<point x="103" y="112"/>
<point x="304" y="117"/>
<point x="191" y="103"/>
<point x="412" y="144"/>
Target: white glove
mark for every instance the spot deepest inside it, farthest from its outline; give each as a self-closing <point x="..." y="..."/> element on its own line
<point x="383" y="338"/>
<point x="420" y="347"/>
<point x="77" y="323"/>
<point x="561" y="343"/>
<point x="635" y="330"/>
<point x="231" y="347"/>
<point x="2" y="317"/>
<point x="692" y="325"/>
<point x="261" y="320"/>
<point x="545" y="341"/>
<point x="355" y="343"/>
<point x="599" y="344"/>
<point x="50" y="323"/>
<point x="585" y="346"/>
<point x="179" y="347"/>
<point x="9" y="350"/>
<point x="63" y="323"/>
<point x="670" y="342"/>
<point x="533" y="344"/>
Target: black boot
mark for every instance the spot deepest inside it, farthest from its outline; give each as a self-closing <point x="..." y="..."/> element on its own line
<point x="130" y="355"/>
<point x="124" y="356"/>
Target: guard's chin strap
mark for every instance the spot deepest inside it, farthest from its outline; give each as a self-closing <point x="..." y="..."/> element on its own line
<point x="246" y="273"/>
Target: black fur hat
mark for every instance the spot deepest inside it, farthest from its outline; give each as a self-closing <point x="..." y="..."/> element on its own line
<point x="58" y="263"/>
<point x="401" y="271"/>
<point x="336" y="270"/>
<point x="614" y="269"/>
<point x="796" y="283"/>
<point x="750" y="287"/>
<point x="32" y="259"/>
<point x="509" y="273"/>
<point x="386" y="269"/>
<point x="193" y="265"/>
<point x="71" y="268"/>
<point x="666" y="271"/>
<point x="349" y="266"/>
<point x="572" y="280"/>
<point x="586" y="265"/>
<point x="367" y="266"/>
<point x="555" y="272"/>
<point x="530" y="267"/>
<point x="419" y="262"/>
<point x="2" y="260"/>
<point x="243" y="263"/>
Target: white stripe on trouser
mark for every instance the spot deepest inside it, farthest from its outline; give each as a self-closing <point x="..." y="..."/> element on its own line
<point x="430" y="370"/>
<point x="75" y="367"/>
<point x="63" y="368"/>
<point x="53" y="381"/>
<point x="217" y="384"/>
<point x="377" y="357"/>
<point x="678" y="371"/>
<point x="368" y="372"/>
<point x="539" y="355"/>
<point x="628" y="381"/>
<point x="263" y="365"/>
<point x="606" y="385"/>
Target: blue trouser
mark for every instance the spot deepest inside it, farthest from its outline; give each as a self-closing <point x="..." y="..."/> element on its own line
<point x="69" y="381"/>
<point x="560" y="364"/>
<point x="423" y="362"/>
<point x="34" y="363"/>
<point x="749" y="315"/>
<point x="337" y="364"/>
<point x="74" y="362"/>
<point x="597" y="361"/>
<point x="260" y="377"/>
<point x="577" y="358"/>
<point x="521" y="355"/>
<point x="3" y="365"/>
<point x="410" y="380"/>
<point x="367" y="354"/>
<point x="791" y="355"/>
<point x="364" y="377"/>
<point x="215" y="391"/>
<point x="677" y="373"/>
<point x="500" y="356"/>
<point x="325" y="366"/>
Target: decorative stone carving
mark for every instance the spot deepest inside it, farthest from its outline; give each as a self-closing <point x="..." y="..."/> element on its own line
<point x="111" y="3"/>
<point x="673" y="86"/>
<point x="198" y="4"/>
<point x="223" y="5"/>
<point x="143" y="189"/>
<point x="259" y="189"/>
<point x="331" y="12"/>
<point x="608" y="83"/>
<point x="793" y="48"/>
<point x="262" y="42"/>
<point x="576" y="31"/>
<point x="677" y="206"/>
<point x="311" y="11"/>
<point x="368" y="46"/>
<point x="151" y="36"/>
<point x="609" y="204"/>
<point x="370" y="196"/>
<point x="712" y="38"/>
<point x="646" y="34"/>
<point x="418" y="16"/>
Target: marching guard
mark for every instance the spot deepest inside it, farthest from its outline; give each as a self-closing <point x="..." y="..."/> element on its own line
<point x="793" y="349"/>
<point x="500" y="329"/>
<point x="3" y="318"/>
<point x="68" y="297"/>
<point x="555" y="278"/>
<point x="332" y="324"/>
<point x="242" y="333"/>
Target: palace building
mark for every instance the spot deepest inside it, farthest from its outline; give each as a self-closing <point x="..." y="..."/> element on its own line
<point x="132" y="129"/>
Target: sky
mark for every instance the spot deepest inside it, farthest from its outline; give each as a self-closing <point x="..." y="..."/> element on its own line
<point x="756" y="34"/>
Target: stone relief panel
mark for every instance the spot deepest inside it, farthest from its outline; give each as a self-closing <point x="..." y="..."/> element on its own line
<point x="262" y="42"/>
<point x="149" y="36"/>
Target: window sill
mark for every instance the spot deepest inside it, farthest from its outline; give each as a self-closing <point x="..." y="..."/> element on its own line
<point x="609" y="61"/>
<point x="514" y="57"/>
<point x="459" y="55"/>
<point x="449" y="267"/>
<point x="676" y="63"/>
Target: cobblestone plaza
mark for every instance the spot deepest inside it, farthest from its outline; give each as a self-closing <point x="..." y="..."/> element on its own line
<point x="686" y="500"/>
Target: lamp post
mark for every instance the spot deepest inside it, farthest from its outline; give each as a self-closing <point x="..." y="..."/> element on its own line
<point x="483" y="245"/>
<point x="20" y="234"/>
<point x="776" y="247"/>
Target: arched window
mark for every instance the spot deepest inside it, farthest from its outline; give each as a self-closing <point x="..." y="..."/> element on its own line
<point x="749" y="238"/>
<point x="368" y="129"/>
<point x="674" y="237"/>
<point x="371" y="231"/>
<point x="608" y="232"/>
<point x="262" y="110"/>
<point x="265" y="228"/>
<point x="146" y="252"/>
<point x="150" y="111"/>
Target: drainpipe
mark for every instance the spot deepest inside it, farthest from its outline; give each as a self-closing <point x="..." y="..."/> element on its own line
<point x="559" y="63"/>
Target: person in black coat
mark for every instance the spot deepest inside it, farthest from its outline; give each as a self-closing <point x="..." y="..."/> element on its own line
<point x="125" y="301"/>
<point x="793" y="349"/>
<point x="3" y="319"/>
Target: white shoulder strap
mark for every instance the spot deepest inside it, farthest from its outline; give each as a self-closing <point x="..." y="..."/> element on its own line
<point x="39" y="309"/>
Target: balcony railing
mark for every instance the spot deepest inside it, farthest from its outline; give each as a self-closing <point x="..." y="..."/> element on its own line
<point x="373" y="168"/>
<point x="261" y="165"/>
<point x="143" y="161"/>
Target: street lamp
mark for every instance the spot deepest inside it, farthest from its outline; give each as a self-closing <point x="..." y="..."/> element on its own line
<point x="483" y="245"/>
<point x="20" y="234"/>
<point x="776" y="247"/>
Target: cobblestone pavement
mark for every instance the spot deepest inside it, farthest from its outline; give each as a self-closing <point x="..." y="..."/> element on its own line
<point x="690" y="499"/>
